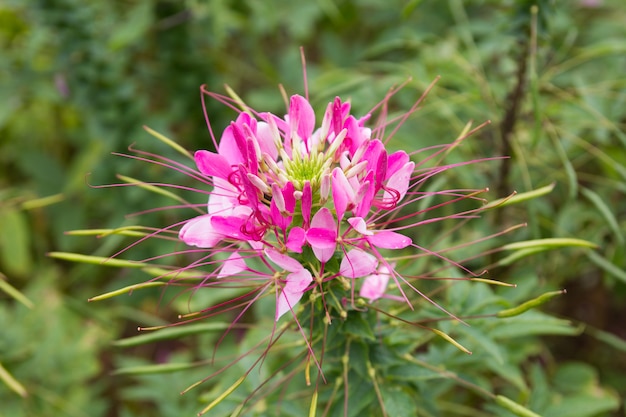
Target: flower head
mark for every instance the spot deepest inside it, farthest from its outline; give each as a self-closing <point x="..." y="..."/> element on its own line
<point x="316" y="214"/>
<point x="282" y="185"/>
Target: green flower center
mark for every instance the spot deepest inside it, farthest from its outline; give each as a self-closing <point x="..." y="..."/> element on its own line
<point x="309" y="168"/>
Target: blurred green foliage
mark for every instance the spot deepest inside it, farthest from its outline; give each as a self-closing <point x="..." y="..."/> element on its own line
<point x="79" y="79"/>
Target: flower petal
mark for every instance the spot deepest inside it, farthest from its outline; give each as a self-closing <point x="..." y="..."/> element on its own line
<point x="228" y="147"/>
<point x="212" y="164"/>
<point x="373" y="153"/>
<point x="365" y="196"/>
<point x="357" y="263"/>
<point x="356" y="135"/>
<point x="323" y="232"/>
<point x="320" y="238"/>
<point x="307" y="201"/>
<point x="199" y="232"/>
<point x="389" y="240"/>
<point x="231" y="266"/>
<point x="324" y="219"/>
<point x="294" y="289"/>
<point x="374" y="286"/>
<point x="359" y="225"/>
<point x="399" y="182"/>
<point x="230" y="226"/>
<point x="295" y="240"/>
<point x="301" y="117"/>
<point x="278" y="220"/>
<point x="224" y="198"/>
<point x="343" y="194"/>
<point x="396" y="161"/>
<point x="265" y="135"/>
<point x="284" y="261"/>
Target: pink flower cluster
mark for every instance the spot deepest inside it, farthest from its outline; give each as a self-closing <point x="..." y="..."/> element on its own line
<point x="281" y="185"/>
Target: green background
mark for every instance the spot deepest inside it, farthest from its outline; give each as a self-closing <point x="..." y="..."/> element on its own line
<point x="78" y="80"/>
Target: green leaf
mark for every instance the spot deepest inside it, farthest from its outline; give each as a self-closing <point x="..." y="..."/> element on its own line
<point x="127" y="290"/>
<point x="12" y="383"/>
<point x="607" y="265"/>
<point x="12" y="292"/>
<point x="14" y="242"/>
<point x="575" y="377"/>
<point x="549" y="244"/>
<point x="154" y="369"/>
<point x="484" y="343"/>
<point x="610" y="339"/>
<point x="357" y="325"/>
<point x="605" y="211"/>
<point x="535" y="302"/>
<point x="174" y="332"/>
<point x="397" y="401"/>
<point x="532" y="323"/>
<point x="411" y="372"/>
<point x="133" y="27"/>
<point x="520" y="198"/>
<point x="97" y="260"/>
<point x="358" y="358"/>
<point x="515" y="408"/>
<point x="584" y="405"/>
<point x="42" y="202"/>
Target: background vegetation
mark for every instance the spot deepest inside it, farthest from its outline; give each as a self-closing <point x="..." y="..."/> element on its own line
<point x="78" y="80"/>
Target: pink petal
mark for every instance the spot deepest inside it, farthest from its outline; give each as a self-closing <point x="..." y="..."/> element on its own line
<point x="320" y="238"/>
<point x="278" y="220"/>
<point x="290" y="200"/>
<point x="295" y="240"/>
<point x="326" y="121"/>
<point x="250" y="191"/>
<point x="301" y="117"/>
<point x="240" y="140"/>
<point x="284" y="261"/>
<point x="325" y="231"/>
<point x="396" y="161"/>
<point x="324" y="219"/>
<point x="359" y="225"/>
<point x="307" y="202"/>
<point x="230" y="226"/>
<point x="224" y="197"/>
<point x="212" y="164"/>
<point x="231" y="266"/>
<point x="374" y="286"/>
<point x="380" y="170"/>
<point x="294" y="289"/>
<point x="282" y="205"/>
<point x="265" y="136"/>
<point x="355" y="136"/>
<point x="277" y="198"/>
<point x="338" y="113"/>
<point x="372" y="153"/>
<point x="399" y="182"/>
<point x="228" y="147"/>
<point x="272" y="119"/>
<point x="357" y="263"/>
<point x="343" y="194"/>
<point x="365" y="196"/>
<point x="389" y="240"/>
<point x="199" y="232"/>
<point x="253" y="156"/>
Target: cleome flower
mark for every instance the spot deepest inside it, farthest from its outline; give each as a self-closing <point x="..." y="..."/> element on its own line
<point x="315" y="214"/>
<point x="282" y="187"/>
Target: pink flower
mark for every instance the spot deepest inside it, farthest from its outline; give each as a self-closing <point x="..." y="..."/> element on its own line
<point x="375" y="285"/>
<point x="310" y="216"/>
<point x="296" y="282"/>
<point x="291" y="194"/>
